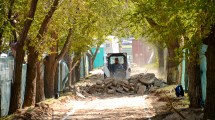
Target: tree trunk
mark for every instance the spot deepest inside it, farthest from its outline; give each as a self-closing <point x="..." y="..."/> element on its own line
<point x="30" y="90"/>
<point x="92" y="57"/>
<point x="16" y="101"/>
<point x="40" y="95"/>
<point x="77" y="72"/>
<point x="70" y="74"/>
<point x="0" y="42"/>
<point x="172" y="65"/>
<point x="68" y="60"/>
<point x="73" y="74"/>
<point x="209" y="110"/>
<point x="48" y="75"/>
<point x="55" y="71"/>
<point x="91" y="63"/>
<point x="84" y="70"/>
<point x="95" y="53"/>
<point x="194" y="90"/>
<point x="90" y="60"/>
<point x="160" y="60"/>
<point x="50" y="70"/>
<point x="51" y="65"/>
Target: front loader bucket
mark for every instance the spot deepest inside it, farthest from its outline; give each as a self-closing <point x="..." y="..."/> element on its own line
<point x="119" y="75"/>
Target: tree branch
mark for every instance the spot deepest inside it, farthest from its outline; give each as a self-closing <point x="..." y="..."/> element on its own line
<point x="88" y="54"/>
<point x="28" y="22"/>
<point x="12" y="22"/>
<point x="151" y="22"/>
<point x="91" y="52"/>
<point x="172" y="107"/>
<point x="47" y="19"/>
<point x="95" y="53"/>
<point x="66" y="46"/>
<point x="73" y="66"/>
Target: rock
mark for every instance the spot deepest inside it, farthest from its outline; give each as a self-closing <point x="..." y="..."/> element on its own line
<point x="134" y="81"/>
<point x="108" y="81"/>
<point x="140" y="83"/>
<point x="111" y="91"/>
<point x="141" y="89"/>
<point x="78" y="89"/>
<point x="99" y="82"/>
<point x="80" y="95"/>
<point x="147" y="81"/>
<point x="120" y="90"/>
<point x="124" y="82"/>
<point x="152" y="88"/>
<point x="91" y="90"/>
<point x="110" y="84"/>
<point x="134" y="78"/>
<point x="159" y="83"/>
<point x="126" y="89"/>
<point x="115" y="82"/>
<point x="139" y="76"/>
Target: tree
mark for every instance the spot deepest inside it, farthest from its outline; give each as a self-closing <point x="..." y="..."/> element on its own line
<point x="102" y="21"/>
<point x="30" y="92"/>
<point x="40" y="95"/>
<point x="16" y="87"/>
<point x="160" y="52"/>
<point x="50" y="87"/>
<point x="92" y="56"/>
<point x="167" y="23"/>
<point x="210" y="97"/>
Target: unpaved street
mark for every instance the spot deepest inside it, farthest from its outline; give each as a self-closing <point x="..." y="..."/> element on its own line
<point x="88" y="102"/>
<point x="111" y="108"/>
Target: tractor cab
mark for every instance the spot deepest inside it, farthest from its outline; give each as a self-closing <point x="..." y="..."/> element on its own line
<point x="117" y="66"/>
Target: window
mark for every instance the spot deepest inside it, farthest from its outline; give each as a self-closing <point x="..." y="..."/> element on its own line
<point x="121" y="59"/>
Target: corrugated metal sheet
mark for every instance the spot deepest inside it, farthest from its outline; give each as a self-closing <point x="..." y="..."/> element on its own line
<point x="6" y="74"/>
<point x="99" y="61"/>
<point x="82" y="67"/>
<point x="63" y="72"/>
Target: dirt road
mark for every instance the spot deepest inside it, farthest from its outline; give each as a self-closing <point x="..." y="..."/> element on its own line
<point x="112" y="108"/>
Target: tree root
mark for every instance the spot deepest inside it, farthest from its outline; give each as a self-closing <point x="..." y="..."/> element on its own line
<point x="176" y="111"/>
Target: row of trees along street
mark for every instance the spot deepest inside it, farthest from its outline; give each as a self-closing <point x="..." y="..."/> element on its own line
<point x="55" y="28"/>
<point x="60" y="28"/>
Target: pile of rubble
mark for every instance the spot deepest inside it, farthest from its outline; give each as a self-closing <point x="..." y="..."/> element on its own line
<point x="136" y="84"/>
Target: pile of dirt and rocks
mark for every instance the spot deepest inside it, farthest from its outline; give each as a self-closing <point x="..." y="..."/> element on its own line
<point x="50" y="109"/>
<point x="136" y="84"/>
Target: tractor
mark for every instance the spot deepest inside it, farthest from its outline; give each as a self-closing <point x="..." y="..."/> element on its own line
<point x="117" y="66"/>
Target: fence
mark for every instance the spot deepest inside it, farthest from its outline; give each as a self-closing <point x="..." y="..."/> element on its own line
<point x="203" y="69"/>
<point x="99" y="60"/>
<point x="6" y="73"/>
<point x="6" y="80"/>
<point x="63" y="71"/>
